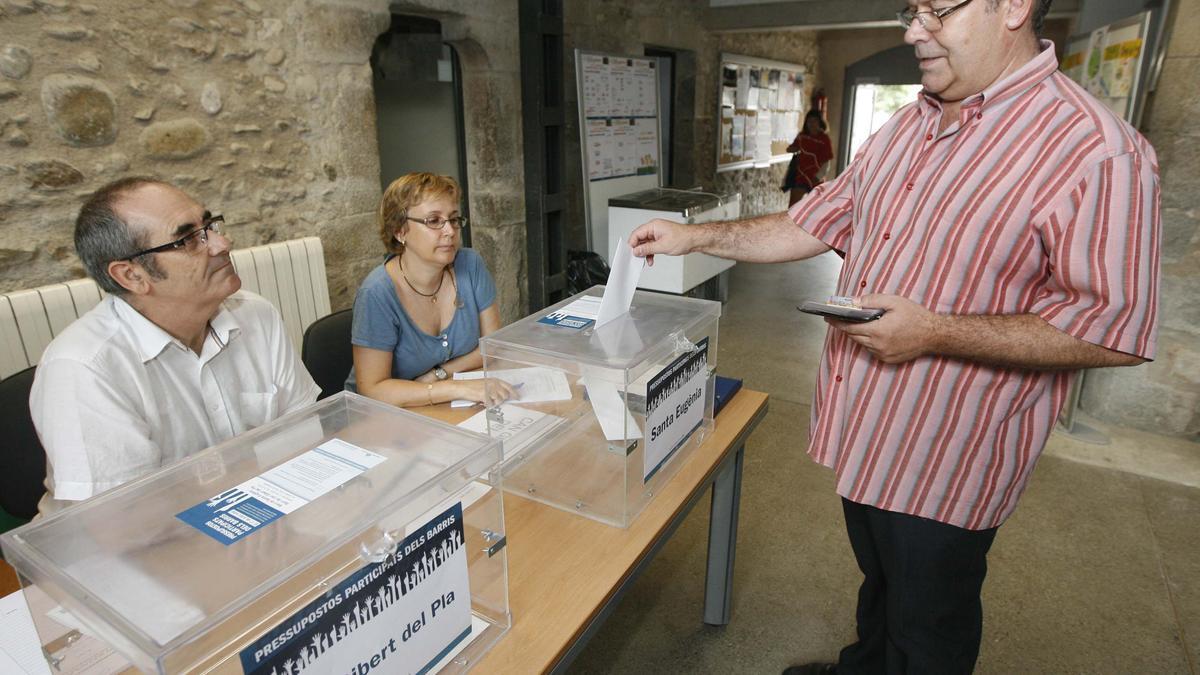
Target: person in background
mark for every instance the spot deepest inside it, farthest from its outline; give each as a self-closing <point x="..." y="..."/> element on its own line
<point x="175" y="359"/>
<point x="1008" y="223"/>
<point x="813" y="150"/>
<point x="418" y="316"/>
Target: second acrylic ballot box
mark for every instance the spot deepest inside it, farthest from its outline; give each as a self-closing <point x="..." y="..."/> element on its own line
<point x="603" y="416"/>
<point x="348" y="537"/>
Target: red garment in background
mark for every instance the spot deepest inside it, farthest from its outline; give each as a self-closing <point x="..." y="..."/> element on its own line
<point x="811" y="153"/>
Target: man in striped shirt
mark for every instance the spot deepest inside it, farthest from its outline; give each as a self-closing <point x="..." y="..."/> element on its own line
<point x="1008" y="223"/>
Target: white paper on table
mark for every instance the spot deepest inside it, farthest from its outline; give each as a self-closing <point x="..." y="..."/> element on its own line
<point x="142" y="599"/>
<point x="622" y="282"/>
<point x="516" y="427"/>
<point x="20" y="648"/>
<point x="533" y="385"/>
<point x="610" y="410"/>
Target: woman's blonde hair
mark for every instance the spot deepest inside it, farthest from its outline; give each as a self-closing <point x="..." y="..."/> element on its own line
<point x="406" y="192"/>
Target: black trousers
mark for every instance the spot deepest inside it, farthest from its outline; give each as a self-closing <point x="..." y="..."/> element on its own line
<point x="919" y="609"/>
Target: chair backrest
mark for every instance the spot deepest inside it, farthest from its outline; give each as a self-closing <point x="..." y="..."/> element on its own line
<point x="21" y="454"/>
<point x="327" y="353"/>
<point x="290" y="274"/>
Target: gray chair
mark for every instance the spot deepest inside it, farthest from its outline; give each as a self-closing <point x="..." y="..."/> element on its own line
<point x="326" y="351"/>
<point x="22" y="459"/>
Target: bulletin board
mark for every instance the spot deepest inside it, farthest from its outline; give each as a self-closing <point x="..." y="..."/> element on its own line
<point x="1111" y="63"/>
<point x="760" y="108"/>
<point x="618" y="126"/>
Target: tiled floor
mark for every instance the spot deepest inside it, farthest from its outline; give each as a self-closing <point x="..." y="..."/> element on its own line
<point x="1098" y="571"/>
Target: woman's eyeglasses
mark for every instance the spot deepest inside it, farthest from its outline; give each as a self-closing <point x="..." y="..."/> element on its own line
<point x="438" y="222"/>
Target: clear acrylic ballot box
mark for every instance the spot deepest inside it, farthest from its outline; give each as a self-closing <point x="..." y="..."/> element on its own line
<point x="348" y="537"/>
<point x="603" y="416"/>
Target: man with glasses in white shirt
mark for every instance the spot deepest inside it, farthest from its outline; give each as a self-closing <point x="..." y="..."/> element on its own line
<point x="175" y="359"/>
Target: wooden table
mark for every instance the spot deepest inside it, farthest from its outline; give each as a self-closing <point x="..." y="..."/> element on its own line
<point x="567" y="573"/>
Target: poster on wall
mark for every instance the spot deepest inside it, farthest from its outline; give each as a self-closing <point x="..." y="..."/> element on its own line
<point x="767" y="105"/>
<point x="619" y="125"/>
<point x="1110" y="62"/>
<point x="743" y="88"/>
<point x="599" y="143"/>
<point x="620" y="110"/>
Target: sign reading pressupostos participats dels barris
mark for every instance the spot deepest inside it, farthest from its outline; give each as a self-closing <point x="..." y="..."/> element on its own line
<point x="402" y="615"/>
<point x="674" y="406"/>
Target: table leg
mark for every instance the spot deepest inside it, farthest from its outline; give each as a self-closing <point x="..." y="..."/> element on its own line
<point x="722" y="540"/>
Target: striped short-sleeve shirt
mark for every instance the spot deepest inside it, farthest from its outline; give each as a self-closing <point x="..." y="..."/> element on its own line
<point x="1038" y="200"/>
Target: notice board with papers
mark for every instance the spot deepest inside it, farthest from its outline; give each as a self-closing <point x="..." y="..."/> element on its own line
<point x="1115" y="63"/>
<point x="760" y="108"/>
<point x="618" y="127"/>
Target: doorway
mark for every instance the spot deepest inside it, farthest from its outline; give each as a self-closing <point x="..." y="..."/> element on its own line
<point x="874" y="104"/>
<point x="676" y="114"/>
<point x="418" y="104"/>
<point x="874" y="89"/>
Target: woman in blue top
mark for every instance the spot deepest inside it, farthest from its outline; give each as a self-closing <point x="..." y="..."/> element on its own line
<point x="418" y="317"/>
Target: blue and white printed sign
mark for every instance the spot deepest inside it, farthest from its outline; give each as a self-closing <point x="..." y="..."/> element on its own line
<point x="402" y="615"/>
<point x="578" y="314"/>
<point x="674" y="406"/>
<point x="239" y="511"/>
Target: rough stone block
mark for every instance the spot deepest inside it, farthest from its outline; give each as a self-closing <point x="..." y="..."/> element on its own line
<point x="202" y="48"/>
<point x="15" y="62"/>
<point x="51" y="174"/>
<point x="1179" y="302"/>
<point x="1184" y="37"/>
<point x="20" y="6"/>
<point x="88" y="62"/>
<point x="1179" y="167"/>
<point x="8" y="91"/>
<point x="82" y="110"/>
<point x="503" y="249"/>
<point x="66" y="32"/>
<point x="53" y="6"/>
<point x="1138" y="397"/>
<point x="210" y="98"/>
<point x="176" y="139"/>
<point x="1176" y="102"/>
<point x="1180" y="236"/>
<point x="340" y="34"/>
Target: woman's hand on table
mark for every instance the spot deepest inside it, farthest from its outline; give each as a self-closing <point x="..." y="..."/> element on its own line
<point x="489" y="391"/>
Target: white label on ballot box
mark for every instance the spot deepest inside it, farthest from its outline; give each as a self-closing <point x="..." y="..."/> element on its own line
<point x="239" y="511"/>
<point x="402" y="615"/>
<point x="674" y="406"/>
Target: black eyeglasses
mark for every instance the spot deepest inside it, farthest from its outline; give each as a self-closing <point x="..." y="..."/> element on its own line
<point x="211" y="223"/>
<point x="438" y="222"/>
<point x="931" y="20"/>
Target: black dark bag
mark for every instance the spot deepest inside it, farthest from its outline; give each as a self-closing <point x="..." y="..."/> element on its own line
<point x="584" y="270"/>
<point x="789" y="177"/>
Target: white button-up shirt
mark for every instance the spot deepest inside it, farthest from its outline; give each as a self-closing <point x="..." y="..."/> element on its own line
<point x="116" y="397"/>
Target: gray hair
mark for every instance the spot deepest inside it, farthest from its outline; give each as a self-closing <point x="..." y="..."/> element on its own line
<point x="101" y="237"/>
<point x="1039" y="15"/>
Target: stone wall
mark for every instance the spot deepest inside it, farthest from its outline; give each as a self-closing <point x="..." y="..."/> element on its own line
<point x="1164" y="396"/>
<point x="628" y="27"/>
<point x="262" y="109"/>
